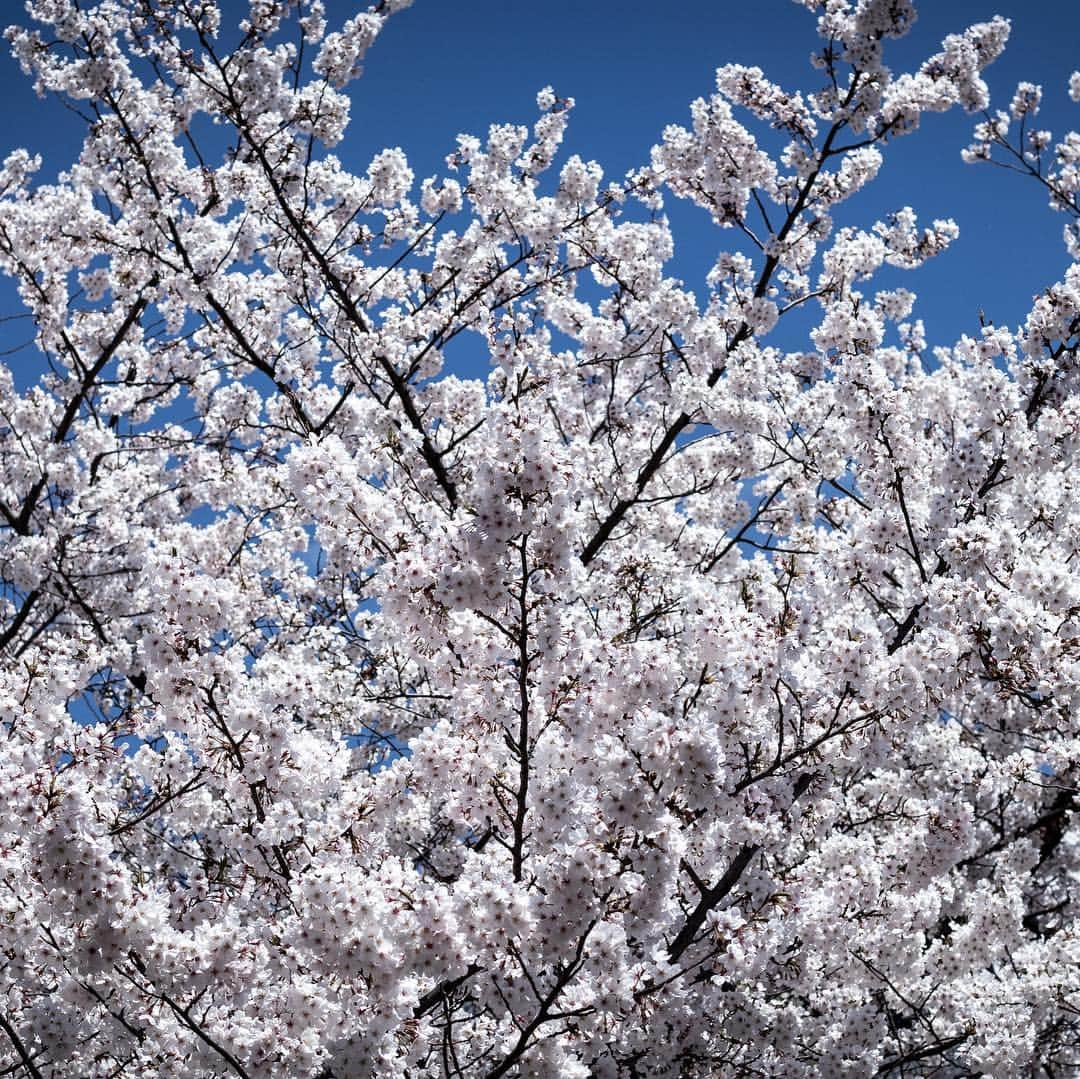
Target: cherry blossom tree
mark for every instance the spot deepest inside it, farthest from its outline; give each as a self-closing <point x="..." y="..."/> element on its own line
<point x="668" y="703"/>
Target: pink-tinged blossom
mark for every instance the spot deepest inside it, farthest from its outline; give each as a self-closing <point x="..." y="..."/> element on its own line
<point x="675" y="697"/>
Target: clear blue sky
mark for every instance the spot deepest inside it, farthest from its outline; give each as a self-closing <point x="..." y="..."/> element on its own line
<point x="449" y="66"/>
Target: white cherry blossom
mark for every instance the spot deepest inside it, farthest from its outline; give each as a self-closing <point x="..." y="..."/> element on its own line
<point x="673" y="698"/>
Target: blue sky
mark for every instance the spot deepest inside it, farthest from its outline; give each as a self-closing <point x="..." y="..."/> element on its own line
<point x="449" y="66"/>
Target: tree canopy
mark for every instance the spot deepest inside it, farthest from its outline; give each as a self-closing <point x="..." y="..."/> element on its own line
<point x="668" y="702"/>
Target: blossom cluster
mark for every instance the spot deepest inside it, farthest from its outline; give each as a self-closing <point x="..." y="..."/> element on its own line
<point x="672" y="698"/>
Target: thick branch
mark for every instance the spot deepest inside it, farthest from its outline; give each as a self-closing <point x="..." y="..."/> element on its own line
<point x="543" y="1014"/>
<point x="743" y="333"/>
<point x="709" y="900"/>
<point x="24" y="1055"/>
<point x="921" y="1052"/>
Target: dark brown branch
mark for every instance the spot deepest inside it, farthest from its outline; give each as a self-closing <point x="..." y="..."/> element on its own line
<point x="443" y="991"/>
<point x="157" y="803"/>
<point x="20" y="617"/>
<point x="709" y="899"/>
<point x="184" y="1015"/>
<point x="746" y="525"/>
<point x="521" y="799"/>
<point x="563" y="977"/>
<point x="21" y="524"/>
<point x="921" y="1052"/>
<point x="24" y="1055"/>
<point x="743" y="333"/>
<point x="345" y="302"/>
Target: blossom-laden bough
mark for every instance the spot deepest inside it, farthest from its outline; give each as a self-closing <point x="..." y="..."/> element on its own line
<point x="668" y="703"/>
